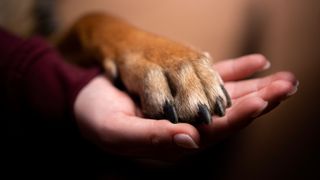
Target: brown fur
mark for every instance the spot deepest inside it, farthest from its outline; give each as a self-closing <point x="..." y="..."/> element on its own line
<point x="159" y="70"/>
<point x="170" y="78"/>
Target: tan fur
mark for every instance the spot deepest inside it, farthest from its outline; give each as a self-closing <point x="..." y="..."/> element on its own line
<point x="158" y="70"/>
<point x="155" y="68"/>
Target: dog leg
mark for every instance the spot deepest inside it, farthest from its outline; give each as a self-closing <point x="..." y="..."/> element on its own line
<point x="173" y="81"/>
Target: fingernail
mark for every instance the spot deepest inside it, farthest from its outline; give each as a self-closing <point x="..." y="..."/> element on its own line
<point x="266" y="66"/>
<point x="294" y="90"/>
<point x="185" y="141"/>
<point x="258" y="112"/>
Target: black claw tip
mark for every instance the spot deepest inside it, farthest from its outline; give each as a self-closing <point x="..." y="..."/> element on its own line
<point x="204" y="114"/>
<point x="170" y="112"/>
<point x="219" y="108"/>
<point x="227" y="96"/>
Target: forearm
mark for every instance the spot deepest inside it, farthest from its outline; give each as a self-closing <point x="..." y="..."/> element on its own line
<point x="36" y="81"/>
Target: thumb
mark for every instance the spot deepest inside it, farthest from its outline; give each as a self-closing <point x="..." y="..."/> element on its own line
<point x="130" y="135"/>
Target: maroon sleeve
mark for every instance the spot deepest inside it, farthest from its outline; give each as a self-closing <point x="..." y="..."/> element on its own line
<point x="37" y="93"/>
<point x="36" y="80"/>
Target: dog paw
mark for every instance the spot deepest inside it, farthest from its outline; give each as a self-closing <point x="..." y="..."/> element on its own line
<point x="181" y="87"/>
<point x="173" y="81"/>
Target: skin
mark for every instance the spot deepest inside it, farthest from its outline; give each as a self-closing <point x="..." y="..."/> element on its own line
<point x="109" y="117"/>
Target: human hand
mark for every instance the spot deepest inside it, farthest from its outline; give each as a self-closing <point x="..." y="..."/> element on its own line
<point x="109" y="117"/>
<point x="251" y="98"/>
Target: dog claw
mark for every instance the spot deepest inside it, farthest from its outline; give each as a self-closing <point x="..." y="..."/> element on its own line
<point x="219" y="108"/>
<point x="227" y="96"/>
<point x="204" y="114"/>
<point x="170" y="112"/>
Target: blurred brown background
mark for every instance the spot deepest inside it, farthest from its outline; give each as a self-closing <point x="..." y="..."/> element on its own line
<point x="281" y="145"/>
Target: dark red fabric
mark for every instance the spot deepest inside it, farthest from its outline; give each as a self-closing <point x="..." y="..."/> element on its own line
<point x="37" y="92"/>
<point x="34" y="75"/>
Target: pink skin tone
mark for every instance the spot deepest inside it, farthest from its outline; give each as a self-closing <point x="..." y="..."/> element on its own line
<point x="109" y="117"/>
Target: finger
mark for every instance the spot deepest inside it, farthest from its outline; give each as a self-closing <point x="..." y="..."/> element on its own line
<point x="237" y="117"/>
<point x="274" y="92"/>
<point x="130" y="135"/>
<point x="242" y="88"/>
<point x="242" y="67"/>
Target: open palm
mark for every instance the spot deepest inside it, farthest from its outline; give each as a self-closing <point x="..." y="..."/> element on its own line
<point x="109" y="117"/>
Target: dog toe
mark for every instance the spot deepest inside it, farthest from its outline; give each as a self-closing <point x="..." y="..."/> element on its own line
<point x="227" y="96"/>
<point x="170" y="113"/>
<point x="212" y="83"/>
<point x="219" y="108"/>
<point x="204" y="115"/>
<point x="147" y="80"/>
